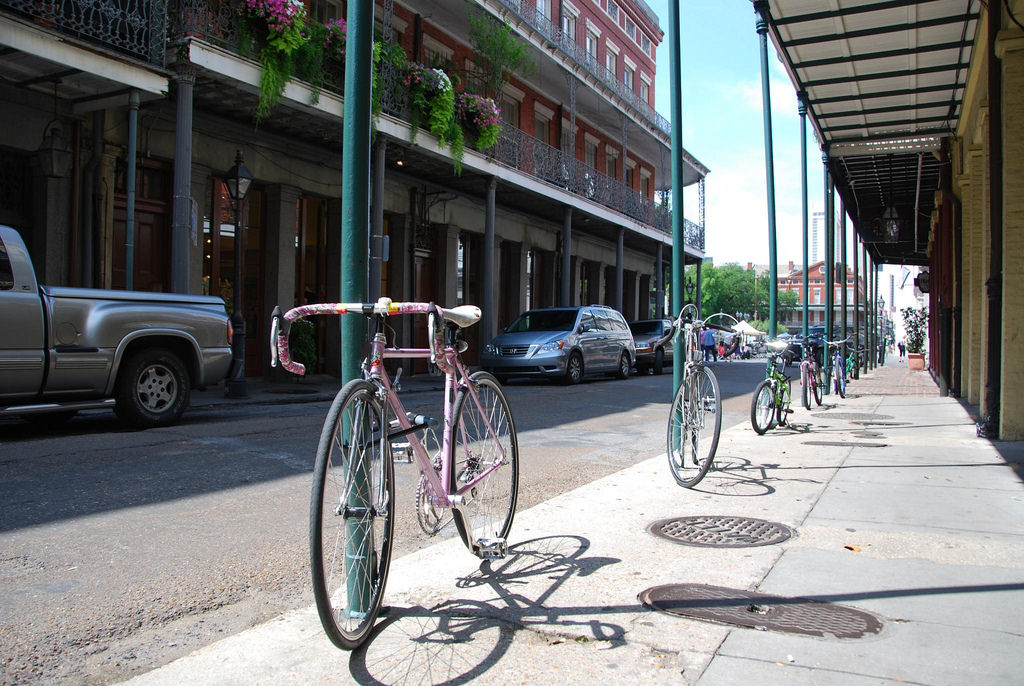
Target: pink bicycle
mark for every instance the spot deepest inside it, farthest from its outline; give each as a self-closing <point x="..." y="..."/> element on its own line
<point x="473" y="473"/>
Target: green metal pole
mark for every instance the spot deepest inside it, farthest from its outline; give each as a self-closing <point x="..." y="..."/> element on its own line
<point x="761" y="9"/>
<point x="355" y="181"/>
<point x="842" y="270"/>
<point x="801" y="107"/>
<point x="678" y="232"/>
<point x="858" y="340"/>
<point x="830" y="262"/>
<point x="355" y="249"/>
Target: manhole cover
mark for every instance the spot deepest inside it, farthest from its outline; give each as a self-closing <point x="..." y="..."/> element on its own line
<point x="848" y="444"/>
<point x="761" y="611"/>
<point x="720" y="531"/>
<point x="854" y="415"/>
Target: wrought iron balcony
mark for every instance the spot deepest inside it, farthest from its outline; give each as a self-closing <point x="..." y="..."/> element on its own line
<point x="528" y="12"/>
<point x="217" y="24"/>
<point x="137" y="28"/>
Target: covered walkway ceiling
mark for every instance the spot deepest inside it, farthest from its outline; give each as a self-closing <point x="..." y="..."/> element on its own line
<point x="883" y="81"/>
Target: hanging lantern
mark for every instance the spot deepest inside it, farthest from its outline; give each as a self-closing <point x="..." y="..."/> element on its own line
<point x="54" y="157"/>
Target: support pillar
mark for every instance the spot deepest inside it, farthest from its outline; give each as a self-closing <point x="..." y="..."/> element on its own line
<point x="761" y="9"/>
<point x="1010" y="49"/>
<point x="129" y="210"/>
<point x="355" y="182"/>
<point x="565" y="292"/>
<point x="376" y="237"/>
<point x="488" y="316"/>
<point x="659" y="276"/>
<point x="181" y="220"/>
<point x="618" y="269"/>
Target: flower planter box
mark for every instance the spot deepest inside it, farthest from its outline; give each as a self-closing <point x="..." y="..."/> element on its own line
<point x="915" y="361"/>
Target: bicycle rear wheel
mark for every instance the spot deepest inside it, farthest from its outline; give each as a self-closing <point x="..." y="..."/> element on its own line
<point x="783" y="397"/>
<point x="762" y="407"/>
<point x="816" y="384"/>
<point x="840" y="382"/>
<point x="485" y="438"/>
<point x="694" y="426"/>
<point x="351" y="516"/>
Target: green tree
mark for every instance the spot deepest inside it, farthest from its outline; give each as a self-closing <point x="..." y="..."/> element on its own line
<point x="499" y="54"/>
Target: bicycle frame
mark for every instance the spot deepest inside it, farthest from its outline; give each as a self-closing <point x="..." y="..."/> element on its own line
<point x="443" y="353"/>
<point x="778" y="379"/>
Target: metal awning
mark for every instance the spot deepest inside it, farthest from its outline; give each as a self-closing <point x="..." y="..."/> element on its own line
<point x="883" y="81"/>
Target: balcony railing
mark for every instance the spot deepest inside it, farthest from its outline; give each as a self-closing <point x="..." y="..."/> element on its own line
<point x="137" y="28"/>
<point x="528" y="12"/>
<point x="217" y="23"/>
<point x="523" y="152"/>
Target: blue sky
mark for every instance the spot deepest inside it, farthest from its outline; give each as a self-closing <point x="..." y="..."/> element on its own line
<point x="723" y="127"/>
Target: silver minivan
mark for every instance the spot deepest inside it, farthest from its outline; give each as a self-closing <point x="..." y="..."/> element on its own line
<point x="563" y="343"/>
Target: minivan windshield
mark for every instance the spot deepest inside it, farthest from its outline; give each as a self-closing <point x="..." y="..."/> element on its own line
<point x="645" y="327"/>
<point x="544" y="320"/>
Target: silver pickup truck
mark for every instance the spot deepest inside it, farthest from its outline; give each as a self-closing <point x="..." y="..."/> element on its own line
<point x="67" y="349"/>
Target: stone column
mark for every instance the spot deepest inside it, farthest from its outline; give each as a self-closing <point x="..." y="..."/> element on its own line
<point x="964" y="183"/>
<point x="566" y="282"/>
<point x="1010" y="49"/>
<point x="618" y="270"/>
<point x="181" y="222"/>
<point x="976" y="285"/>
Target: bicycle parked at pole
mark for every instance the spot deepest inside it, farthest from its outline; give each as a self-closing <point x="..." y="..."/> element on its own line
<point x="695" y="421"/>
<point x="837" y="367"/>
<point x="854" y="361"/>
<point x="473" y="473"/>
<point x="770" y="406"/>
<point x="810" y="374"/>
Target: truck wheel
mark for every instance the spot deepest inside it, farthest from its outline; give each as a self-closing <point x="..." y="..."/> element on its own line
<point x="152" y="388"/>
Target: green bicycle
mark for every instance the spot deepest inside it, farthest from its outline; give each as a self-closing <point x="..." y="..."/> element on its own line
<point x="772" y="397"/>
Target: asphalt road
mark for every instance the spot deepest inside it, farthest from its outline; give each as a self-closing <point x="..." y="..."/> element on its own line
<point x="122" y="550"/>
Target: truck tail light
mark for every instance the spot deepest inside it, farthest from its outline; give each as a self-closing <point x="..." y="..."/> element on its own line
<point x="231" y="332"/>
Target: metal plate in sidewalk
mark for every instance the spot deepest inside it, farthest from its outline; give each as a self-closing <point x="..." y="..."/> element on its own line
<point x="761" y="611"/>
<point x="847" y="444"/>
<point x="854" y="415"/>
<point x="720" y="531"/>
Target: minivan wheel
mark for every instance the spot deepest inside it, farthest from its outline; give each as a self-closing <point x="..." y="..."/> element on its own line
<point x="573" y="369"/>
<point x="623" y="371"/>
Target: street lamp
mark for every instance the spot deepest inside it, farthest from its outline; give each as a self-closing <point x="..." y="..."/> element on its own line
<point x="238" y="180"/>
<point x="689" y="289"/>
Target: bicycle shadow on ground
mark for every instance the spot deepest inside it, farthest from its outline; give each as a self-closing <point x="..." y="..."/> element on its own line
<point x="456" y="641"/>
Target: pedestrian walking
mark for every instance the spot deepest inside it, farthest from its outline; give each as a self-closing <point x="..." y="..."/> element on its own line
<point x="903" y="348"/>
<point x="708" y="343"/>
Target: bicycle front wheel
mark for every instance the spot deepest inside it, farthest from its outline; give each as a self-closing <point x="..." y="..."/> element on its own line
<point x="762" y="407"/>
<point x="840" y="382"/>
<point x="805" y="386"/>
<point x="816" y="384"/>
<point x="694" y="426"/>
<point x="351" y="516"/>
<point x="484" y="443"/>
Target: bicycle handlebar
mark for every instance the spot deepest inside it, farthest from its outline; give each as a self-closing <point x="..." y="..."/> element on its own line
<point x="833" y="344"/>
<point x="280" y="325"/>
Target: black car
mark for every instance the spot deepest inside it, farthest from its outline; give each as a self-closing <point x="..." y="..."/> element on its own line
<point x="795" y="350"/>
<point x="653" y="340"/>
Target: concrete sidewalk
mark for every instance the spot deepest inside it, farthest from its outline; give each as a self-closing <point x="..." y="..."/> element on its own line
<point x="898" y="510"/>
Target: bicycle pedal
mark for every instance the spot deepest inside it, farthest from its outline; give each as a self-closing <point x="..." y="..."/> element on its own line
<point x="491" y="548"/>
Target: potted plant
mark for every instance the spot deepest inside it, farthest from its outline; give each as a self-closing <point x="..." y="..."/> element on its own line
<point x="915" y="320"/>
<point x="481" y="117"/>
<point x="433" y="99"/>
